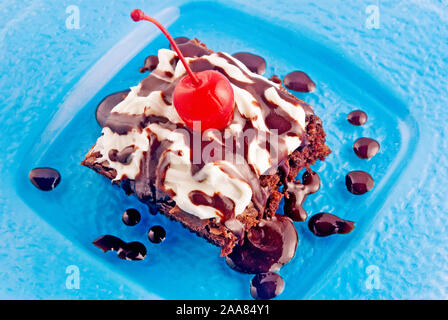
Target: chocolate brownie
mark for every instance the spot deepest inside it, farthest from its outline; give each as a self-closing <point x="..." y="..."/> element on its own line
<point x="219" y="184"/>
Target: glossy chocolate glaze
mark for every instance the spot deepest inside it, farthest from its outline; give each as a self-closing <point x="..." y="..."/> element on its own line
<point x="253" y="62"/>
<point x="296" y="193"/>
<point x="107" y="104"/>
<point x="156" y="234"/>
<point x="359" y="182"/>
<point x="129" y="251"/>
<point x="325" y="224"/>
<point x="357" y="117"/>
<point x="299" y="81"/>
<point x="366" y="148"/>
<point x="266" y="247"/>
<point x="265" y="286"/>
<point x="131" y="217"/>
<point x="45" y="179"/>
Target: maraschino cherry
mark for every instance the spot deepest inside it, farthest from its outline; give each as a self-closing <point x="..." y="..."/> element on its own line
<point x="205" y="97"/>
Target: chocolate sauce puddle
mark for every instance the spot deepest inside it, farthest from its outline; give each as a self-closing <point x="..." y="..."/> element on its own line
<point x="359" y="182"/>
<point x="266" y="286"/>
<point x="267" y="246"/>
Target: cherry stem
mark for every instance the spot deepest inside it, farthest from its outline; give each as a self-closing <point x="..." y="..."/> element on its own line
<point x="138" y="15"/>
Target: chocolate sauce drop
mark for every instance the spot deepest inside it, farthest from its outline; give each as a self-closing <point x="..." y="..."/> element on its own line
<point x="266" y="286"/>
<point x="156" y="234"/>
<point x="267" y="246"/>
<point x="357" y="117"/>
<point x="150" y="64"/>
<point x="366" y="148"/>
<point x="107" y="104"/>
<point x="296" y="193"/>
<point x="132" y="251"/>
<point x="299" y="81"/>
<point x="253" y="62"/>
<point x="325" y="224"/>
<point x="359" y="182"/>
<point x="129" y="251"/>
<point x="131" y="217"/>
<point x="44" y="179"/>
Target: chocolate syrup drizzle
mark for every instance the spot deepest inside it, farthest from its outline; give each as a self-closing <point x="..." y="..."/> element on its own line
<point x="296" y="193"/>
<point x="224" y="205"/>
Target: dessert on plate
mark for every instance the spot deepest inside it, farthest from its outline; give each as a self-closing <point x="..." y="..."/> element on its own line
<point x="209" y="143"/>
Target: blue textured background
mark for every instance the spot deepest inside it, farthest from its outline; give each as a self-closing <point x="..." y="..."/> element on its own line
<point x="40" y="61"/>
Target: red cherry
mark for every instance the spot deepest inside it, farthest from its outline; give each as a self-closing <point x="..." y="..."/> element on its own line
<point x="211" y="102"/>
<point x="205" y="97"/>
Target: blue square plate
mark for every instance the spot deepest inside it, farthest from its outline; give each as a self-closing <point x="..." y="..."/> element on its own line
<point x="85" y="205"/>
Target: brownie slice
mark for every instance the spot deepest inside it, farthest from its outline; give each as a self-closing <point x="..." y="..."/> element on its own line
<point x="148" y="180"/>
